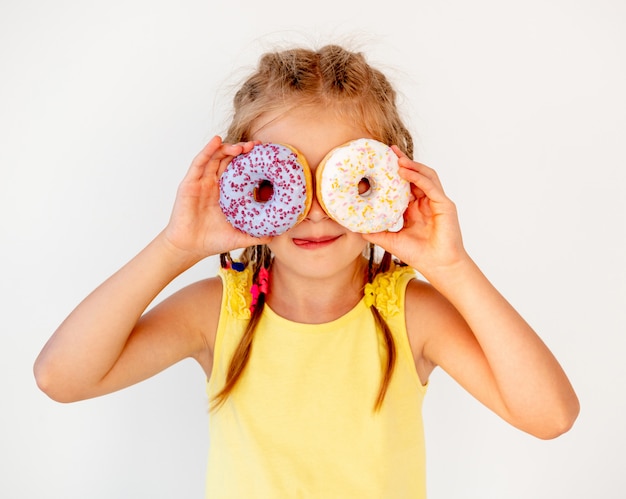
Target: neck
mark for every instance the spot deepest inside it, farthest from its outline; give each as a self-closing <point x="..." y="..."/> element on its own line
<point x="315" y="300"/>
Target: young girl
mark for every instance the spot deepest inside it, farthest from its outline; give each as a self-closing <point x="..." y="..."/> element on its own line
<point x="317" y="391"/>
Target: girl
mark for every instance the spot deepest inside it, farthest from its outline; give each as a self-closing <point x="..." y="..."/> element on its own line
<point x="317" y="391"/>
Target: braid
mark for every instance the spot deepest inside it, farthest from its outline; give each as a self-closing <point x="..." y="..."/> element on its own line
<point x="257" y="257"/>
<point x="383" y="266"/>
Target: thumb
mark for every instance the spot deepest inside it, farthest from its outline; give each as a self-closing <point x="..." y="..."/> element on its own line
<point x="383" y="239"/>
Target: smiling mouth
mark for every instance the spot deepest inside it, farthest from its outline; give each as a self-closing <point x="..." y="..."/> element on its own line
<point x="315" y="242"/>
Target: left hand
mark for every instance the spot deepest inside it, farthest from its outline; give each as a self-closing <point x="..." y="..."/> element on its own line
<point x="430" y="240"/>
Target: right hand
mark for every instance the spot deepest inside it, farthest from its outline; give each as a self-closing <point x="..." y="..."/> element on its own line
<point x="197" y="226"/>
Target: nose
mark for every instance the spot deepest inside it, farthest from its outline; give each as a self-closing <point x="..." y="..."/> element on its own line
<point x="316" y="212"/>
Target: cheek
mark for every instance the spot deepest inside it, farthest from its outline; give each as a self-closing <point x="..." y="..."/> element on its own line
<point x="278" y="242"/>
<point x="357" y="242"/>
<point x="283" y="247"/>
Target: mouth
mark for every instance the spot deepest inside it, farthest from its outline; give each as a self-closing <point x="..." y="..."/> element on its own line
<point x="315" y="242"/>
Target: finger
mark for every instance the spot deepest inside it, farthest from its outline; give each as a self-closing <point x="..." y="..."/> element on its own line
<point x="199" y="163"/>
<point x="403" y="159"/>
<point x="409" y="169"/>
<point x="405" y="162"/>
<point x="383" y="239"/>
<point x="416" y="193"/>
<point x="233" y="150"/>
<point x="215" y="156"/>
<point x="409" y="164"/>
<point x="248" y="240"/>
<point x="423" y="185"/>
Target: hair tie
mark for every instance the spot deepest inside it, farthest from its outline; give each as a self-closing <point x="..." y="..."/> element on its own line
<point x="238" y="266"/>
<point x="261" y="286"/>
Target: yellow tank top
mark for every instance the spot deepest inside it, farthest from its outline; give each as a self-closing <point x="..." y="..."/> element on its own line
<point x="300" y="423"/>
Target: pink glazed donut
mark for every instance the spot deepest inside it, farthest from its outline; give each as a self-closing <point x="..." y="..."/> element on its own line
<point x="358" y="186"/>
<point x="266" y="191"/>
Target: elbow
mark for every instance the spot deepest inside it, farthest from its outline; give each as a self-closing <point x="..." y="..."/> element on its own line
<point x="50" y="383"/>
<point x="557" y="423"/>
<point x="564" y="425"/>
<point x="45" y="380"/>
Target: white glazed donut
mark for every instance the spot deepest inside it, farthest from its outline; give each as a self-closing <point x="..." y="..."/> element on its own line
<point x="266" y="191"/>
<point x="358" y="186"/>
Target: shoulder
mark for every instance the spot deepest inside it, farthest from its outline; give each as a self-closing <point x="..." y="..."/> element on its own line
<point x="204" y="300"/>
<point x="431" y="320"/>
<point x="421" y="293"/>
<point x="195" y="308"/>
<point x="427" y="305"/>
<point x="202" y="295"/>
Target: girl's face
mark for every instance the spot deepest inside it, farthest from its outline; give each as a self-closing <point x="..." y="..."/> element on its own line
<point x="317" y="246"/>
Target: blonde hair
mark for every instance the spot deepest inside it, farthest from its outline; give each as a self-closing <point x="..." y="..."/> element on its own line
<point x="337" y="79"/>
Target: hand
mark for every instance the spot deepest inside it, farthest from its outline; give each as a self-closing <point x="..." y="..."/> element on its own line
<point x="430" y="240"/>
<point x="197" y="225"/>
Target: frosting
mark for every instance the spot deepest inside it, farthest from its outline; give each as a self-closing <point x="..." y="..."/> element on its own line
<point x="248" y="175"/>
<point x="374" y="166"/>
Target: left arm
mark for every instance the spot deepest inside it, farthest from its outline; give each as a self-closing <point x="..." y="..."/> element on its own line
<point x="471" y="331"/>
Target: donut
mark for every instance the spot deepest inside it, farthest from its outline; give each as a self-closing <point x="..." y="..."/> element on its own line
<point x="267" y="190"/>
<point x="358" y="186"/>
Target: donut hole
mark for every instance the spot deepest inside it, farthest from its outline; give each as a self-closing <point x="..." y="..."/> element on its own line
<point x="365" y="187"/>
<point x="263" y="192"/>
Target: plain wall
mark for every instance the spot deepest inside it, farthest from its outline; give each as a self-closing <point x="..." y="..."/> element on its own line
<point x="520" y="106"/>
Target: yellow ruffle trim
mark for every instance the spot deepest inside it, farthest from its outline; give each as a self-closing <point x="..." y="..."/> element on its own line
<point x="383" y="293"/>
<point x="238" y="297"/>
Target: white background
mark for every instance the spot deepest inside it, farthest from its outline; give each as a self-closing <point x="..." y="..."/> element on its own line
<point x="521" y="108"/>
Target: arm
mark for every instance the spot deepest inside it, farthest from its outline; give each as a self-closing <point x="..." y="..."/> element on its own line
<point x="107" y="343"/>
<point x="463" y="324"/>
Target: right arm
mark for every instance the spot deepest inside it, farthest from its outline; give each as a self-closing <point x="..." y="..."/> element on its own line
<point x="107" y="342"/>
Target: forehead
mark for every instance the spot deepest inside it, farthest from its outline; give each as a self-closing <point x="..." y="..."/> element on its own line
<point x="314" y="132"/>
